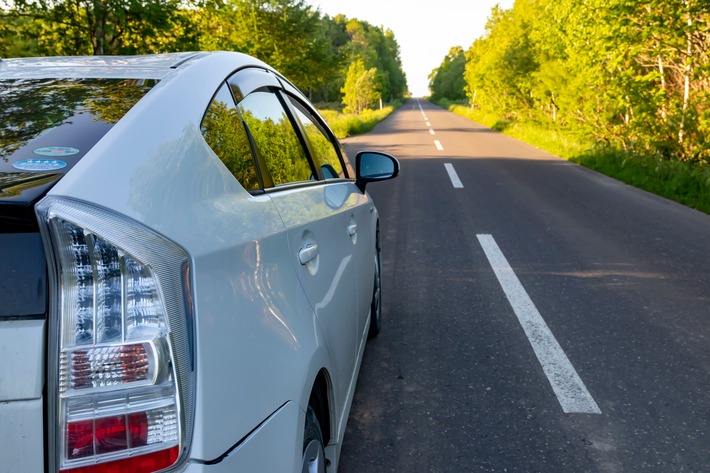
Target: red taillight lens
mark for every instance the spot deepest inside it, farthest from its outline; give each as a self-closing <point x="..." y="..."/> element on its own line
<point x="80" y="439"/>
<point x="138" y="429"/>
<point x="151" y="462"/>
<point x="106" y="435"/>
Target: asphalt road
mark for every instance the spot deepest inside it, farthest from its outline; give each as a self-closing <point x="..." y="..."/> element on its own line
<point x="539" y="317"/>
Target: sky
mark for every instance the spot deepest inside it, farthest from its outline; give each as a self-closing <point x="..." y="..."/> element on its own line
<point x="424" y="29"/>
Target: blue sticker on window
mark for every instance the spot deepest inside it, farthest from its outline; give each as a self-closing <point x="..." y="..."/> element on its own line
<point x="39" y="165"/>
<point x="56" y="151"/>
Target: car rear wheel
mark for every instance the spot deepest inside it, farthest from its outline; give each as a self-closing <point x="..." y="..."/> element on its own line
<point x="313" y="454"/>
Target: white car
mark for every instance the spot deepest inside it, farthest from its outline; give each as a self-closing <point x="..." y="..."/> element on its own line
<point x="189" y="268"/>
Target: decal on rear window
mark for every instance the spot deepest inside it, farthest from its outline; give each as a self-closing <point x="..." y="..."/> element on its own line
<point x="39" y="165"/>
<point x="56" y="151"/>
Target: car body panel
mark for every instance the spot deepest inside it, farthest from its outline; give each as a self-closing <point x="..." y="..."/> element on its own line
<point x="265" y="327"/>
<point x="250" y="302"/>
<point x="318" y="215"/>
<point x="256" y="452"/>
<point x="22" y="355"/>
<point x="22" y="436"/>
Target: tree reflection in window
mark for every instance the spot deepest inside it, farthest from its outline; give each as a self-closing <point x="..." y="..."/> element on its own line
<point x="275" y="138"/>
<point x="32" y="107"/>
<point x="223" y="130"/>
<point x="322" y="149"/>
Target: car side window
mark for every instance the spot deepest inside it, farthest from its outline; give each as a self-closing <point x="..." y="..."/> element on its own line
<point x="224" y="132"/>
<point x="322" y="149"/>
<point x="275" y="138"/>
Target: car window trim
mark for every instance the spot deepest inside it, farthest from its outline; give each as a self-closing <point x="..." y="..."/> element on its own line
<point x="301" y="132"/>
<point x="262" y="169"/>
<point x="296" y="125"/>
<point x="298" y="184"/>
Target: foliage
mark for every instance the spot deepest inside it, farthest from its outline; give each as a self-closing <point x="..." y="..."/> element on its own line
<point x="628" y="78"/>
<point x="686" y="182"/>
<point x="630" y="73"/>
<point x="348" y="124"/>
<point x="361" y="88"/>
<point x="447" y="81"/>
<point x="377" y="49"/>
<point x="286" y="34"/>
<point x="73" y="27"/>
<point x="312" y="50"/>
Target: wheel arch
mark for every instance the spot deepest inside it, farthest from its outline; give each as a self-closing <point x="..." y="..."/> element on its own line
<point x="320" y="400"/>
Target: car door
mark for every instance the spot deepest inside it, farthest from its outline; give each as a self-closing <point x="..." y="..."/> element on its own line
<point x="344" y="194"/>
<point x="316" y="224"/>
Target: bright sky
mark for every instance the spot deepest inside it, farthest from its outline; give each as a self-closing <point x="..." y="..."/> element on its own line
<point x="424" y="29"/>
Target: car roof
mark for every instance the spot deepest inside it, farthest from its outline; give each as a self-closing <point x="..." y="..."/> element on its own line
<point x="153" y="66"/>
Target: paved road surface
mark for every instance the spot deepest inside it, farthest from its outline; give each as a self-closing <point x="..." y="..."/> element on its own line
<point x="538" y="317"/>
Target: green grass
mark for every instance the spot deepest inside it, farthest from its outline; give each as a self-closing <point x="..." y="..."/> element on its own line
<point x="685" y="182"/>
<point x="348" y="124"/>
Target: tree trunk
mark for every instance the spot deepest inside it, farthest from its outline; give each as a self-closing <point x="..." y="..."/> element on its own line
<point x="98" y="28"/>
<point x="687" y="71"/>
<point x="663" y="87"/>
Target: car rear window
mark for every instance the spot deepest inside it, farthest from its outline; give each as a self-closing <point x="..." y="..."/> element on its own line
<point x="42" y="119"/>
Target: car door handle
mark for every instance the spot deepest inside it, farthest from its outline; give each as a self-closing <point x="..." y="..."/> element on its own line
<point x="352" y="229"/>
<point x="308" y="253"/>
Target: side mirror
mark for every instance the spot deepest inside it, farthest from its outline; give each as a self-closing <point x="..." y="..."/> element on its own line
<point x="372" y="166"/>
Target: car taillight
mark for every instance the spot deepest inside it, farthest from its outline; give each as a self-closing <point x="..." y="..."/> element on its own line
<point x="121" y="377"/>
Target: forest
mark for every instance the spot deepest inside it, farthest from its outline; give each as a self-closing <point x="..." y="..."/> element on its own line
<point x="316" y="52"/>
<point x="627" y="80"/>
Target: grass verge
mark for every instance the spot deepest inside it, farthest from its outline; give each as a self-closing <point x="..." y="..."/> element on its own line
<point x="685" y="182"/>
<point x="348" y="124"/>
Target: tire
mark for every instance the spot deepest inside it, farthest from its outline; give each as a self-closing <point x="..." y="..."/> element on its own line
<point x="314" y="460"/>
<point x="376" y="304"/>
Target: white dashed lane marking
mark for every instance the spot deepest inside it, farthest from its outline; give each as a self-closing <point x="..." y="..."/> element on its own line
<point x="437" y="143"/>
<point x="455" y="181"/>
<point x="571" y="392"/>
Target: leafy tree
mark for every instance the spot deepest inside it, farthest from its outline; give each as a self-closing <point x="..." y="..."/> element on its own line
<point x="360" y="89"/>
<point x="447" y="82"/>
<point x="634" y="74"/>
<point x="18" y="36"/>
<point x="378" y="49"/>
<point x="106" y="26"/>
<point x="286" y="34"/>
<point x="313" y="51"/>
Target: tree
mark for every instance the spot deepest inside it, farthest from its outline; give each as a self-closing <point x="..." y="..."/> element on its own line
<point x="106" y="26"/>
<point x="633" y="74"/>
<point x="286" y="34"/>
<point x="447" y="81"/>
<point x="360" y="89"/>
<point x="378" y="49"/>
